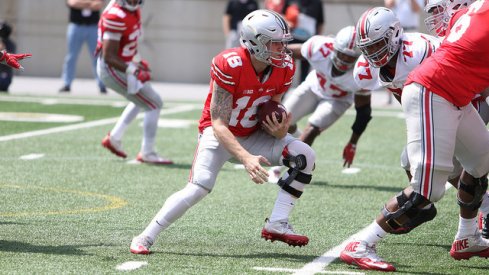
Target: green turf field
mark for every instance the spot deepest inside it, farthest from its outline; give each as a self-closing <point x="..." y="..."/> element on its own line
<point x="68" y="206"/>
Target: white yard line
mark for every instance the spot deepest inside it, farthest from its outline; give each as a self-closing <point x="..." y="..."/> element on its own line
<point x="131" y="265"/>
<point x="90" y="124"/>
<point x="73" y="101"/>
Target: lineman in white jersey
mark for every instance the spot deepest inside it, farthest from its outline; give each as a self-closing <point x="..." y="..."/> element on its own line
<point x="328" y="90"/>
<point x="387" y="65"/>
<point x="439" y="14"/>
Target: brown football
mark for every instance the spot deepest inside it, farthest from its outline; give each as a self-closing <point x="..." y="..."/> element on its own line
<point x="268" y="108"/>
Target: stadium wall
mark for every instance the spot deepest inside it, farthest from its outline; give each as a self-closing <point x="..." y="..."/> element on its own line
<point x="180" y="36"/>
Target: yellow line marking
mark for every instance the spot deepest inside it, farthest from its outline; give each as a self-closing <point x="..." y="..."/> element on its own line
<point x="114" y="202"/>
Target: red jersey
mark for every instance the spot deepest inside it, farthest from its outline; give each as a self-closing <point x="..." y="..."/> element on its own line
<point x="117" y="23"/>
<point x="459" y="69"/>
<point x="232" y="70"/>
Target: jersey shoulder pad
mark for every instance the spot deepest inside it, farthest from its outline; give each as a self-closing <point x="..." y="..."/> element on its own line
<point x="114" y="19"/>
<point x="362" y="74"/>
<point x="317" y="48"/>
<point x="226" y="68"/>
<point x="416" y="47"/>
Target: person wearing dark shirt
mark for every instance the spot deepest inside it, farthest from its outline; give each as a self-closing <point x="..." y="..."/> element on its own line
<point x="236" y="10"/>
<point x="306" y="18"/>
<point x="84" y="16"/>
<point x="6" y="72"/>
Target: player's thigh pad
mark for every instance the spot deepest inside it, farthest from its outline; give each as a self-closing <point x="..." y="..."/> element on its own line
<point x="261" y="143"/>
<point x="432" y="124"/>
<point x="209" y="158"/>
<point x="300" y="102"/>
<point x="147" y="98"/>
<point x="328" y="112"/>
<point x="472" y="146"/>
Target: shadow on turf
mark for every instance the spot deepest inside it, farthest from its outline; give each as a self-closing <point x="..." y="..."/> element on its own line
<point x="356" y="187"/>
<point x="292" y="257"/>
<point x="20" y="247"/>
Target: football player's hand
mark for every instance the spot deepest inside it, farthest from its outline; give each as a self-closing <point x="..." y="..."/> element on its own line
<point x="257" y="173"/>
<point x="275" y="128"/>
<point x="141" y="74"/>
<point x="349" y="154"/>
<point x="12" y="60"/>
<point x="144" y="65"/>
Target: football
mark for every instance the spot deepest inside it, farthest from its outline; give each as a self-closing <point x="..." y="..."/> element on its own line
<point x="268" y="108"/>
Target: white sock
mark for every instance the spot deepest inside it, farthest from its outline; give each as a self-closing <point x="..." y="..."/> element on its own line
<point x="283" y="206"/>
<point x="150" y="125"/>
<point x="466" y="227"/>
<point x="127" y="116"/>
<point x="372" y="234"/>
<point x="175" y="206"/>
<point x="485" y="204"/>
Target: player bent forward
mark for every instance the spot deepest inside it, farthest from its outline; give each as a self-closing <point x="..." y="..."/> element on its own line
<point x="241" y="79"/>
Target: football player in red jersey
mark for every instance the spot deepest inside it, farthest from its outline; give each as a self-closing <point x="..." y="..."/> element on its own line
<point x="241" y="79"/>
<point x="12" y="59"/>
<point x="440" y="12"/>
<point x="442" y="123"/>
<point x="119" y="68"/>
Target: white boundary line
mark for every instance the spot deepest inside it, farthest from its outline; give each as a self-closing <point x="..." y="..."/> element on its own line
<point x="177" y="109"/>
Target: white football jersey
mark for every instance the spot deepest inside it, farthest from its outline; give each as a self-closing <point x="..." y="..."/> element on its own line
<point x="318" y="50"/>
<point x="415" y="48"/>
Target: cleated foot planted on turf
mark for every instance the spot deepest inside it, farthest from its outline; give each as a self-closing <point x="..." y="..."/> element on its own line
<point x="141" y="244"/>
<point x="153" y="158"/>
<point x="364" y="255"/>
<point x="283" y="231"/>
<point x="464" y="248"/>
<point x="114" y="146"/>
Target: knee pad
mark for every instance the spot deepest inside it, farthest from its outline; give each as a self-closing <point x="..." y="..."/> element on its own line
<point x="477" y="190"/>
<point x="299" y="157"/>
<point x="409" y="206"/>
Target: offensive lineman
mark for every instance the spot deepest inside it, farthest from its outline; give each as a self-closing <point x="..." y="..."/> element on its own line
<point x="441" y="122"/>
<point x="440" y="12"/>
<point x="388" y="56"/>
<point x="241" y="79"/>
<point x="119" y="31"/>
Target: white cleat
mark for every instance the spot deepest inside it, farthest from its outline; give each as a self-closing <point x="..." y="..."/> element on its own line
<point x="364" y="255"/>
<point x="153" y="158"/>
<point x="465" y="248"/>
<point x="141" y="245"/>
<point x="114" y="146"/>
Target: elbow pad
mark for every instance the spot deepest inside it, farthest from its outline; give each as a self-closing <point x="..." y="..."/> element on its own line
<point x="362" y="118"/>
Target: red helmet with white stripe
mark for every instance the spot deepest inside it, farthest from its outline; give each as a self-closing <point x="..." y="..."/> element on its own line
<point x="379" y="35"/>
<point x="345" y="50"/>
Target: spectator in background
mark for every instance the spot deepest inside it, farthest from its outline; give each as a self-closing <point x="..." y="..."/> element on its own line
<point x="6" y="72"/>
<point x="407" y="11"/>
<point x="306" y="18"/>
<point x="275" y="5"/>
<point x="84" y="16"/>
<point x="236" y="10"/>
